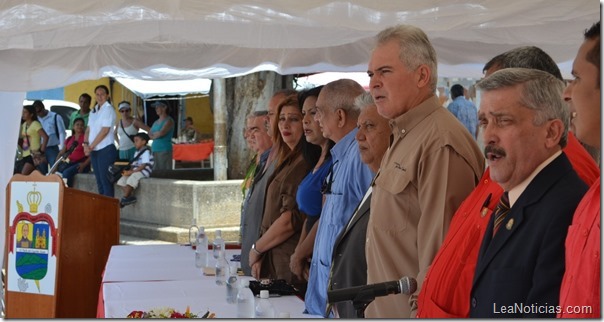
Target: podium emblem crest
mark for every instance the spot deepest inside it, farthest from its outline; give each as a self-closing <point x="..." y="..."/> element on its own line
<point x="32" y="233"/>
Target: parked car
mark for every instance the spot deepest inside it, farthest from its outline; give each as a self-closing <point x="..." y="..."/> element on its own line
<point x="63" y="108"/>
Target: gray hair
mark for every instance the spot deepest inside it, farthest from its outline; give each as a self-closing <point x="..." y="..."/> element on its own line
<point x="257" y="114"/>
<point x="540" y="91"/>
<point x="415" y="48"/>
<point x="363" y="101"/>
<point x="341" y="94"/>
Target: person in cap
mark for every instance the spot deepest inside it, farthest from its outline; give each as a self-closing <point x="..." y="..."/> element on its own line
<point x="161" y="132"/>
<point x="140" y="167"/>
<point x="125" y="130"/>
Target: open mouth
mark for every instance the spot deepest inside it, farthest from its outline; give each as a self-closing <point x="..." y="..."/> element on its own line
<point x="378" y="98"/>
<point x="493" y="157"/>
<point x="494" y="154"/>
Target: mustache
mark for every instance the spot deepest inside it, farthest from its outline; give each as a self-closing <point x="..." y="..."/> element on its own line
<point x="495" y="150"/>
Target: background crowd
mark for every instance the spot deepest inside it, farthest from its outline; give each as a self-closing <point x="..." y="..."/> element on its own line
<point x="349" y="187"/>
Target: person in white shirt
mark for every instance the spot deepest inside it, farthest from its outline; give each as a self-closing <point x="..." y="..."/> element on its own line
<point x="140" y="167"/>
<point x="55" y="128"/>
<point x="99" y="137"/>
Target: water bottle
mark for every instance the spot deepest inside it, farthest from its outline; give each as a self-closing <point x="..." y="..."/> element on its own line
<point x="218" y="244"/>
<point x="231" y="286"/>
<point x="193" y="231"/>
<point x="245" y="301"/>
<point x="222" y="269"/>
<point x="201" y="249"/>
<point x="264" y="308"/>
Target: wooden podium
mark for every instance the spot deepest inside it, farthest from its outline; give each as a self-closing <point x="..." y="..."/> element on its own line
<point x="57" y="243"/>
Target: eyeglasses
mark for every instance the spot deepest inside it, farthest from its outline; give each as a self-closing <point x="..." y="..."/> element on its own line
<point x="328" y="181"/>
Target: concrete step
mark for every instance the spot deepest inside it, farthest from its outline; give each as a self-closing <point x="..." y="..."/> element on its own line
<point x="170" y="234"/>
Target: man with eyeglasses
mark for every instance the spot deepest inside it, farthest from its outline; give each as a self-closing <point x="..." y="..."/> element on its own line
<point x="345" y="186"/>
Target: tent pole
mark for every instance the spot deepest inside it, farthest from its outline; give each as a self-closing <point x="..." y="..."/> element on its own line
<point x="220" y="130"/>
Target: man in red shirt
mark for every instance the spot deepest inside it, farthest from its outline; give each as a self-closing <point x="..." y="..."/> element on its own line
<point x="446" y="289"/>
<point x="580" y="291"/>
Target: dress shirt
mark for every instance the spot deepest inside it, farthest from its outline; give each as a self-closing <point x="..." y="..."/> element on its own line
<point x="446" y="289"/>
<point x="431" y="166"/>
<point x="100" y="118"/>
<point x="581" y="283"/>
<point x="466" y="112"/>
<point x="351" y="178"/>
<point x="48" y="123"/>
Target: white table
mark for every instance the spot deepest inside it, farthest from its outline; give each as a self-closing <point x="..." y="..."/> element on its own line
<point x="153" y="276"/>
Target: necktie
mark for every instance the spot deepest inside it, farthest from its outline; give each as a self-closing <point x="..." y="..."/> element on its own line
<point x="501" y="211"/>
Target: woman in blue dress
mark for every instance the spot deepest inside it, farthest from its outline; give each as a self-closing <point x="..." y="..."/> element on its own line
<point x="309" y="196"/>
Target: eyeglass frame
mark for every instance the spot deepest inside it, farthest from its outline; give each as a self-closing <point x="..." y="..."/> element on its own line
<point x="328" y="181"/>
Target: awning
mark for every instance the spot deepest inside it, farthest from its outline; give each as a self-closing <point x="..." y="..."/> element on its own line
<point x="147" y="88"/>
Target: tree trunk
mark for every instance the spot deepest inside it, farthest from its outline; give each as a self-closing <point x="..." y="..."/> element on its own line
<point x="244" y="95"/>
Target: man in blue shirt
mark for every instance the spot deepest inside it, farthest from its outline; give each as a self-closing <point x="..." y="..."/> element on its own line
<point x="464" y="110"/>
<point x="345" y="186"/>
<point x="55" y="128"/>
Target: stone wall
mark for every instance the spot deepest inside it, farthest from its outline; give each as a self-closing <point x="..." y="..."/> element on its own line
<point x="166" y="208"/>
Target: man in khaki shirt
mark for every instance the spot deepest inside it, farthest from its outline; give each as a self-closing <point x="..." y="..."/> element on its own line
<point x="432" y="164"/>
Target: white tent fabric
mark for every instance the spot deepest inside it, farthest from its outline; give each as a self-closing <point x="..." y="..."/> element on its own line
<point x="48" y="44"/>
<point x="148" y="88"/>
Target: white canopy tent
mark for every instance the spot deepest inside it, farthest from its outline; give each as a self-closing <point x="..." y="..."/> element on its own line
<point x="149" y="88"/>
<point x="49" y="44"/>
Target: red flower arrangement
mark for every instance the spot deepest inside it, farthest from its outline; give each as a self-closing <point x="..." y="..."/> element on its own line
<point x="167" y="313"/>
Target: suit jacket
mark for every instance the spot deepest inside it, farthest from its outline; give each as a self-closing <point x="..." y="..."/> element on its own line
<point x="348" y="264"/>
<point x="519" y="271"/>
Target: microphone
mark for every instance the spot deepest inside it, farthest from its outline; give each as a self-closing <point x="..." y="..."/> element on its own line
<point x="406" y="285"/>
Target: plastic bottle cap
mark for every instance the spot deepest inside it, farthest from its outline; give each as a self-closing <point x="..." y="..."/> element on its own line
<point x="264" y="294"/>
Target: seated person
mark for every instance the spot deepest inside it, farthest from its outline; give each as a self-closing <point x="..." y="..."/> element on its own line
<point x="190" y="133"/>
<point x="140" y="167"/>
<point x="77" y="161"/>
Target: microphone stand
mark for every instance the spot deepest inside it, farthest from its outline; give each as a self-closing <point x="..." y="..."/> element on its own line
<point x="61" y="159"/>
<point x="360" y="302"/>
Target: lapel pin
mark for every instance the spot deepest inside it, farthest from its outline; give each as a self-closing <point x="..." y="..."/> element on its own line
<point x="509" y="225"/>
<point x="484" y="212"/>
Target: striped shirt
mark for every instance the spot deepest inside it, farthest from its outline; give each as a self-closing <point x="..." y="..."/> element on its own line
<point x="145" y="158"/>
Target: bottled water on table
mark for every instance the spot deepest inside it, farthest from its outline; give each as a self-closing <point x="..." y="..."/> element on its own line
<point x="245" y="301"/>
<point x="222" y="269"/>
<point x="217" y="244"/>
<point x="232" y="288"/>
<point x="201" y="248"/>
<point x="264" y="307"/>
